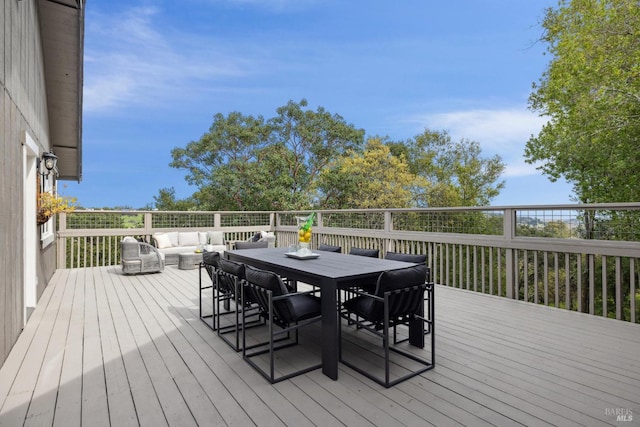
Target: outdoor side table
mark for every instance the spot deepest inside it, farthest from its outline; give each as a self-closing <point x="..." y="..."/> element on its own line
<point x="189" y="260"/>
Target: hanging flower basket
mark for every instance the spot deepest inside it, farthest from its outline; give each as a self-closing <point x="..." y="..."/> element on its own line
<point x="42" y="218"/>
<point x="50" y="204"/>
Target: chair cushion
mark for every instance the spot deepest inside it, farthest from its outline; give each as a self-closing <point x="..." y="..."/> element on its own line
<point x="365" y="307"/>
<point x="303" y="307"/>
<point x="235" y="268"/>
<point x="162" y="241"/>
<point x="403" y="278"/>
<point x="396" y="256"/>
<point x="329" y="248"/>
<point x="373" y="310"/>
<point x="227" y="284"/>
<point x="283" y="309"/>
<point x="373" y="253"/>
<point x="211" y="258"/>
<point x="265" y="279"/>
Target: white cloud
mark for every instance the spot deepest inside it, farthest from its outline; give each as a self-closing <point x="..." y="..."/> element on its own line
<point x="493" y="129"/>
<point x="498" y="131"/>
<point x="132" y="60"/>
<point x="520" y="168"/>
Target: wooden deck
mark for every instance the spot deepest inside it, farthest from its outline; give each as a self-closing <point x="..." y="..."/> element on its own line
<point x="106" y="349"/>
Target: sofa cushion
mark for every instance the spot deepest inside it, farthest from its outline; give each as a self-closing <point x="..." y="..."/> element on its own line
<point x="203" y="237"/>
<point x="215" y="248"/>
<point x="162" y="241"/>
<point x="216" y="237"/>
<point x="178" y="250"/>
<point x="188" y="238"/>
<point x="173" y="236"/>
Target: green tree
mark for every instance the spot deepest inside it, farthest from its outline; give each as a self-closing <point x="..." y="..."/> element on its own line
<point x="591" y="94"/>
<point x="372" y="179"/>
<point x="223" y="162"/>
<point x="312" y="139"/>
<point x="166" y="201"/>
<point x="247" y="163"/>
<point x="455" y="172"/>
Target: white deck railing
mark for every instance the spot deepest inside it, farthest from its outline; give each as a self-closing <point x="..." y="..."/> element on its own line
<point x="539" y="254"/>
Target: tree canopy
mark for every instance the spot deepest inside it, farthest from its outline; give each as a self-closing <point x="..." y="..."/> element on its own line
<point x="374" y="178"/>
<point x="455" y="172"/>
<point x="304" y="159"/>
<point x="591" y="94"/>
<point x="247" y="163"/>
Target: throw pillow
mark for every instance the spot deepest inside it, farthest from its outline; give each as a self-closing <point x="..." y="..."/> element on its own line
<point x="162" y="241"/>
<point x="216" y="237"/>
<point x="189" y="238"/>
<point x="173" y="237"/>
<point x="202" y="237"/>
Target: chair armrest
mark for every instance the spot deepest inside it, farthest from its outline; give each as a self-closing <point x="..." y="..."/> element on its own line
<point x="292" y="294"/>
<point x="146" y="248"/>
<point x="365" y="294"/>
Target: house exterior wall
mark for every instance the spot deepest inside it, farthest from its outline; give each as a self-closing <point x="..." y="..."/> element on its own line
<point x="23" y="109"/>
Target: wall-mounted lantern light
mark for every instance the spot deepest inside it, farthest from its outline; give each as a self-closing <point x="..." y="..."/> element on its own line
<point x="49" y="161"/>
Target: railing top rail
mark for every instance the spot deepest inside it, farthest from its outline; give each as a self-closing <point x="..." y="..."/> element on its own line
<point x="577" y="206"/>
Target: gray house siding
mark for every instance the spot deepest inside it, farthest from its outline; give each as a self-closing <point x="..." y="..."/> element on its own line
<point x="23" y="109"/>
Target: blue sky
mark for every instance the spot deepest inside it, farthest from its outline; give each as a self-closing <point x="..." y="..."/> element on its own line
<point x="156" y="72"/>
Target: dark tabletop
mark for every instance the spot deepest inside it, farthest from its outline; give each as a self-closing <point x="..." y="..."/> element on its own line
<point x="329" y="265"/>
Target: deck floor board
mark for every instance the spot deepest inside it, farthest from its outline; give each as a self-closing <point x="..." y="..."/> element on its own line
<point x="103" y="348"/>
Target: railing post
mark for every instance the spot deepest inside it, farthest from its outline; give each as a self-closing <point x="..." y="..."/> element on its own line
<point x="388" y="228"/>
<point x="509" y="232"/>
<point x="148" y="224"/>
<point x="61" y="241"/>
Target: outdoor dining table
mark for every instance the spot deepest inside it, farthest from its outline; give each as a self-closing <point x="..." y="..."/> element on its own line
<point x="329" y="271"/>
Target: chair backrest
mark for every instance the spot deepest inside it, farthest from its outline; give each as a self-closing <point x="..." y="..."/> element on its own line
<point x="252" y="245"/>
<point x="329" y="248"/>
<point x="262" y="281"/>
<point x="229" y="273"/>
<point x="129" y="248"/>
<point x="418" y="259"/>
<point x="397" y="256"/>
<point x="407" y="302"/>
<point x="373" y="253"/>
<point x="210" y="260"/>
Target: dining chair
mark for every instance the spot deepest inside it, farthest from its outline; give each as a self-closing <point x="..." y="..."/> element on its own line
<point x="209" y="264"/>
<point x="139" y="257"/>
<point x="291" y="284"/>
<point x="367" y="284"/>
<point x="417" y="259"/>
<point x="398" y="300"/>
<point x="230" y="279"/>
<point x="285" y="313"/>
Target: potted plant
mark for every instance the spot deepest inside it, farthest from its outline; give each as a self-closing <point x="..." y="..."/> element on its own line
<point x="50" y="204"/>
